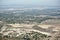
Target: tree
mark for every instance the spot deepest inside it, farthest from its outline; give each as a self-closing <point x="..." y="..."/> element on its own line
<point x="26" y="37"/>
<point x="1" y="36"/>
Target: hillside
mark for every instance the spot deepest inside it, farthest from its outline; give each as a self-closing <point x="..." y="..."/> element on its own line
<point x="15" y="23"/>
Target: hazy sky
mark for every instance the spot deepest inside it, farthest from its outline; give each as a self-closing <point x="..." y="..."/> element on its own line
<point x="31" y="2"/>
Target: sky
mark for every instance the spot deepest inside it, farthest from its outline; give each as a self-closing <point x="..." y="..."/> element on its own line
<point x="30" y="2"/>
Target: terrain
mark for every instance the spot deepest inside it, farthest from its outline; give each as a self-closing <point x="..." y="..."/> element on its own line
<point x="14" y="21"/>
